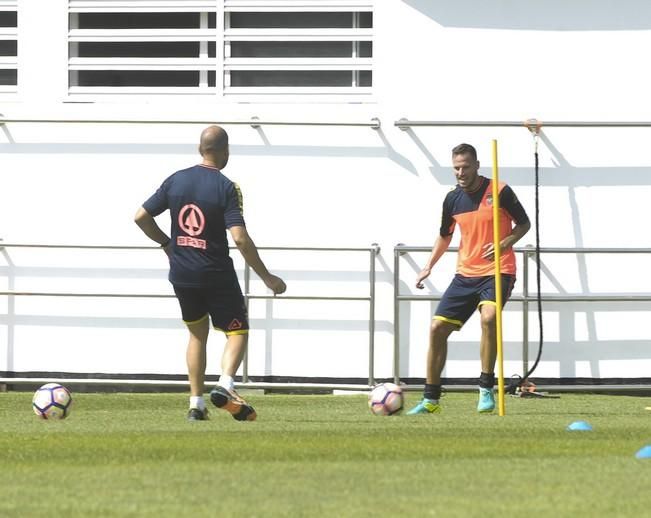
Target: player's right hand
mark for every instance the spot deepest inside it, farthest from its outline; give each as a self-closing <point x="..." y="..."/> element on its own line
<point x="424" y="274"/>
<point x="275" y="284"/>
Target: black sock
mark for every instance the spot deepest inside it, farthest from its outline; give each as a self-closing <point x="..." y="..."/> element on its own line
<point x="487" y="380"/>
<point x="432" y="392"/>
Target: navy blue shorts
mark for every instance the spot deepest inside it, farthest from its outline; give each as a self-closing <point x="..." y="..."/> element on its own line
<point x="465" y="294"/>
<point x="223" y="301"/>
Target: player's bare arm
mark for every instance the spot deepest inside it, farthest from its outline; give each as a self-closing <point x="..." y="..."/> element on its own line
<point x="441" y="244"/>
<point x="249" y="251"/>
<point x="149" y="226"/>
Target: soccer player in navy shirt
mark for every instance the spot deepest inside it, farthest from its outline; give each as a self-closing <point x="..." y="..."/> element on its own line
<point x="470" y="207"/>
<point x="203" y="204"/>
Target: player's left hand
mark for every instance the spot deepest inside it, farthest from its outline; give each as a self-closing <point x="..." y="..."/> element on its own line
<point x="488" y="252"/>
<point x="275" y="284"/>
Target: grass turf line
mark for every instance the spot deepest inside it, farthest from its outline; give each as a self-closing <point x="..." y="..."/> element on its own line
<point x="135" y="455"/>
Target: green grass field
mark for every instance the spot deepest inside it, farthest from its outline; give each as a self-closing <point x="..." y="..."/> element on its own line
<point x="314" y="456"/>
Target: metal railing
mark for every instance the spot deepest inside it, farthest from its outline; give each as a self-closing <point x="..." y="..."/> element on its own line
<point x="254" y="122"/>
<point x="525" y="299"/>
<point x="404" y="124"/>
<point x="372" y="252"/>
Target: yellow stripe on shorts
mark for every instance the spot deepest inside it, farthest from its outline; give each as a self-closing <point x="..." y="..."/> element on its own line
<point x="457" y="323"/>
<point x="196" y="321"/>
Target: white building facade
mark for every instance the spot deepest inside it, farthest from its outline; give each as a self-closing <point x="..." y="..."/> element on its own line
<point x="101" y="100"/>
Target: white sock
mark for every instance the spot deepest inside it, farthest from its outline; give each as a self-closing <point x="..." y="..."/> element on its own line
<point x="226" y="381"/>
<point x="197" y="402"/>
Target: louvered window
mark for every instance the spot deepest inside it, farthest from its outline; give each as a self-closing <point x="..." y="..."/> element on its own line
<point x="8" y="47"/>
<point x="224" y="48"/>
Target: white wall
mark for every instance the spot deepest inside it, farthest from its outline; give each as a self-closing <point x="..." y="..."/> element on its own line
<point x="343" y="186"/>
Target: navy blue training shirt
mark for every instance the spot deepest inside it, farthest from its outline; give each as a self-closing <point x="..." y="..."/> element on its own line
<point x="203" y="203"/>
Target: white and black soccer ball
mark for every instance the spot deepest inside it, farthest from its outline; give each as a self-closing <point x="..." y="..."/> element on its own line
<point x="52" y="401"/>
<point x="386" y="399"/>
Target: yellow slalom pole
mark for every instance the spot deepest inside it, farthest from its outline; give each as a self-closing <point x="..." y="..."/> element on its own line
<point x="498" y="282"/>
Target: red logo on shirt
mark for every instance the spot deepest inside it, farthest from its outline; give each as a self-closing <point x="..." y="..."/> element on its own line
<point x="192" y="220"/>
<point x="191" y="241"/>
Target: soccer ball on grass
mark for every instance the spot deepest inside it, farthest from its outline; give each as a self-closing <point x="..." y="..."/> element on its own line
<point x="386" y="399"/>
<point x="52" y="401"/>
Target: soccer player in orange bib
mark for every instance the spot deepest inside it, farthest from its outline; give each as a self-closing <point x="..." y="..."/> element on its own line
<point x="204" y="204"/>
<point x="469" y="206"/>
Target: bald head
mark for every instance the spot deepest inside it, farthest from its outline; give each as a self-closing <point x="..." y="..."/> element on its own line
<point x="213" y="146"/>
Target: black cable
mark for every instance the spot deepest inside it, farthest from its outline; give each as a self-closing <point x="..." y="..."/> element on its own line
<point x="516" y="381"/>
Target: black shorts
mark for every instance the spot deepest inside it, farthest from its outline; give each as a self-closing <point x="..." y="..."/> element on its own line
<point x="223" y="301"/>
<point x="465" y="294"/>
